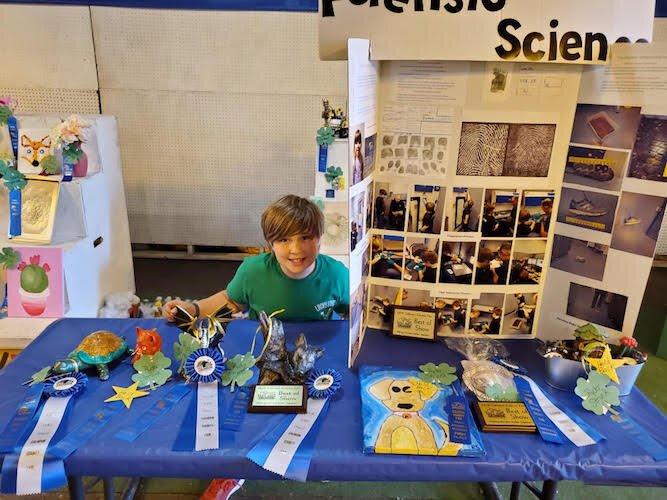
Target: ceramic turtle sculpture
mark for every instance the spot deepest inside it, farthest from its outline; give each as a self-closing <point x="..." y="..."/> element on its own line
<point x="97" y="349"/>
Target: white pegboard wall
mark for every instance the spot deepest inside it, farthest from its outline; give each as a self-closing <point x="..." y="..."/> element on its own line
<point x="61" y="101"/>
<point x="47" y="47"/>
<point x="200" y="167"/>
<point x="247" y="52"/>
<point x="661" y="246"/>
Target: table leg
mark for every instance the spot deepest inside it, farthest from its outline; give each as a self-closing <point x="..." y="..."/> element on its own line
<point x="516" y="490"/>
<point x="131" y="488"/>
<point x="75" y="486"/>
<point x="490" y="491"/>
<point x="549" y="490"/>
<point x="109" y="491"/>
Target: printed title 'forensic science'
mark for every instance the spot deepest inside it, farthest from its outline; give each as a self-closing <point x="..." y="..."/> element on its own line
<point x="535" y="45"/>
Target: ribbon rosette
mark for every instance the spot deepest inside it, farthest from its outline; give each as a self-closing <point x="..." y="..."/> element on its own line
<point x="323" y="384"/>
<point x="66" y="385"/>
<point x="204" y="365"/>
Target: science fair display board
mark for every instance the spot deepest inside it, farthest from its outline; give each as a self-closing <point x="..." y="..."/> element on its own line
<point x="480" y="180"/>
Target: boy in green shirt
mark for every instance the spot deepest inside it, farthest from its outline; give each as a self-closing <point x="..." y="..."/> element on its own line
<point x="294" y="276"/>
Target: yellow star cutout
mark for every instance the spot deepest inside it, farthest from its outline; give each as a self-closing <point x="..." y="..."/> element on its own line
<point x="606" y="365"/>
<point x="126" y="394"/>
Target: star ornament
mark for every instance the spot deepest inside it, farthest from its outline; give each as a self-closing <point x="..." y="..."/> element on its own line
<point x="126" y="394"/>
<point x="606" y="365"/>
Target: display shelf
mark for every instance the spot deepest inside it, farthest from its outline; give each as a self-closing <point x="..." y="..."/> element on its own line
<point x="91" y="227"/>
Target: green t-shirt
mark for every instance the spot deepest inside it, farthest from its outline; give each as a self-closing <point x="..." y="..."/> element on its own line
<point x="261" y="284"/>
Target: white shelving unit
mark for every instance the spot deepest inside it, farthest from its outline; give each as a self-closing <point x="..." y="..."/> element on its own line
<point x="92" y="228"/>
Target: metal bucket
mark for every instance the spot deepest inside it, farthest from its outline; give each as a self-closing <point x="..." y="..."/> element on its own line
<point x="563" y="373"/>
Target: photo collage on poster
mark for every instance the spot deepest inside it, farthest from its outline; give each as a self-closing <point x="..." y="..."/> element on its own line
<point x="452" y="248"/>
<point x="612" y="148"/>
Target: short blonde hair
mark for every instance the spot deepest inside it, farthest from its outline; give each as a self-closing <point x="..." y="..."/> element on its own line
<point x="291" y="215"/>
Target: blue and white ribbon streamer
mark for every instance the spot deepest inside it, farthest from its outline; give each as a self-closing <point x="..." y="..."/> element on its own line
<point x="28" y="471"/>
<point x="288" y="449"/>
<point x="13" y="126"/>
<point x="553" y="424"/>
<point x="322" y="158"/>
<point x="14" y="213"/>
<point x="18" y="424"/>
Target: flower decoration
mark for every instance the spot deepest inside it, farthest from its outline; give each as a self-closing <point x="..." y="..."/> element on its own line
<point x="13" y="179"/>
<point x="438" y="374"/>
<point x="335" y="226"/>
<point x="204" y="365"/>
<point x="7" y="107"/>
<point x="69" y="131"/>
<point x="153" y="370"/>
<point x="597" y="396"/>
<point x="627" y="343"/>
<point x="66" y="385"/>
<point x="325" y="136"/>
<point x="426" y="389"/>
<point x="50" y="165"/>
<point x="323" y="383"/>
<point x="334" y="176"/>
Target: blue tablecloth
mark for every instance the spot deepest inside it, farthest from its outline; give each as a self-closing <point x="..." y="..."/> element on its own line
<point x="337" y="456"/>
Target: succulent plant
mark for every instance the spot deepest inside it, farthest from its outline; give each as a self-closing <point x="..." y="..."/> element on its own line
<point x="33" y="276"/>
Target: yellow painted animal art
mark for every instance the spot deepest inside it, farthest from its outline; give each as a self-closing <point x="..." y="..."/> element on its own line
<point x="406" y="431"/>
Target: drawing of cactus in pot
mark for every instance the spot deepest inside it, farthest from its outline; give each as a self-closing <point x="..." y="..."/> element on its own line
<point x="34" y="285"/>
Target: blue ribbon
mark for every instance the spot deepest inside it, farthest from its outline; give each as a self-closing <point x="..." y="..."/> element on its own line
<point x="298" y="467"/>
<point x="13" y="126"/>
<point x="459" y="419"/>
<point x="68" y="171"/>
<point x="198" y="363"/>
<point x="150" y="416"/>
<point x="545" y="426"/>
<point x="69" y="444"/>
<point x="14" y="213"/>
<point x="237" y="410"/>
<point x="640" y="436"/>
<point x="21" y="419"/>
<point x="322" y="158"/>
<point x="185" y="441"/>
<point x="53" y="469"/>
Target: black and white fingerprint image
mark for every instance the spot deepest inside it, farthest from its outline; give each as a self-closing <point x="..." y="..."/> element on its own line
<point x="413" y="154"/>
<point x="482" y="148"/>
<point x="529" y="150"/>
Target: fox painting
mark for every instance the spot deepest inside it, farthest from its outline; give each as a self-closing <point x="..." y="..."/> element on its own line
<point x="34" y="147"/>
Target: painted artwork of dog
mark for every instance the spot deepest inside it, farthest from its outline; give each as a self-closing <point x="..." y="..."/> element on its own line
<point x="406" y="430"/>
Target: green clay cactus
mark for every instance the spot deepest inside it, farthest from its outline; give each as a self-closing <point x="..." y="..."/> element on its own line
<point x="33" y="276"/>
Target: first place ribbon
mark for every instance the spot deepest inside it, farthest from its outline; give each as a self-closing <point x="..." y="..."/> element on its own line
<point x="288" y="449"/>
<point x="27" y="471"/>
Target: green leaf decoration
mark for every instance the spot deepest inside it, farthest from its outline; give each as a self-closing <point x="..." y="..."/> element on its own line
<point x="40" y="376"/>
<point x="50" y="165"/>
<point x="9" y="258"/>
<point x="5" y="113"/>
<point x="499" y="393"/>
<point x="185" y="346"/>
<point x="589" y="332"/>
<point x="442" y="374"/>
<point x="152" y="370"/>
<point x="238" y="370"/>
<point x="12" y="178"/>
<point x="72" y="153"/>
<point x="596" y="395"/>
<point x="333" y="173"/>
<point x="325" y="135"/>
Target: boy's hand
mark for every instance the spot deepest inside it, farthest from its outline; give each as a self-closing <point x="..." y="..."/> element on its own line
<point x="169" y="309"/>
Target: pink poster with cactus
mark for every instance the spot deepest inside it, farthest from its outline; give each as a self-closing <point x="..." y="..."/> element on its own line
<point x="35" y="287"/>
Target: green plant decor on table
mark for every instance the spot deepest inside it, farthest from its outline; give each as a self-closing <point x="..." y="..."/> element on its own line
<point x="153" y="370"/>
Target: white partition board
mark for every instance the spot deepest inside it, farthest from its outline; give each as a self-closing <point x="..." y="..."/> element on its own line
<point x="47" y="47"/>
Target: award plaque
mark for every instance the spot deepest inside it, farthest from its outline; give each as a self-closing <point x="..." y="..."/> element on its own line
<point x="415" y="323"/>
<point x="501" y="416"/>
<point x="278" y="399"/>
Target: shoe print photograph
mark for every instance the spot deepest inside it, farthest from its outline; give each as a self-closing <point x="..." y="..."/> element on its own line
<point x="587" y="209"/>
<point x="649" y="156"/>
<point x="520" y="309"/>
<point x="505" y="149"/>
<point x="609" y="126"/>
<point x="595" y="167"/>
<point x="580" y="257"/>
<point x="597" y="306"/>
<point x="638" y="223"/>
<point x="486" y="314"/>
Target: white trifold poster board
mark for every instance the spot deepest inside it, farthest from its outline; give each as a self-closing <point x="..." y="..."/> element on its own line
<point x="485" y="191"/>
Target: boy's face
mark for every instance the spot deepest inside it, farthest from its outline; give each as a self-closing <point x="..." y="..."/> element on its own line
<point x="296" y="254"/>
